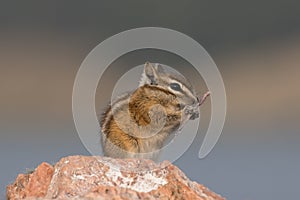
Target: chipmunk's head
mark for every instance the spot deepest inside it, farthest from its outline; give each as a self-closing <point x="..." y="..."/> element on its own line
<point x="155" y="75"/>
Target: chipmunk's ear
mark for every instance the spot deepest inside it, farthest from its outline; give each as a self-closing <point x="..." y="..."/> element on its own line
<point x="159" y="68"/>
<point x="150" y="75"/>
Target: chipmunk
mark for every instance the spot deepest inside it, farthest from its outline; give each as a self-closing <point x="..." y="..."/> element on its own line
<point x="137" y="124"/>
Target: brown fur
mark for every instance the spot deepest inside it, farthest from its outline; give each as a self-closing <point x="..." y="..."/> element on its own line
<point x="137" y="124"/>
<point x="139" y="107"/>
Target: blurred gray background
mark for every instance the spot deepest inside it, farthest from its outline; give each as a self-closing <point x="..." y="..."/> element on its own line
<point x="255" y="44"/>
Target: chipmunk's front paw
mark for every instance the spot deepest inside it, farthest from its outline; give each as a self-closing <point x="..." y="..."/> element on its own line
<point x="194" y="116"/>
<point x="191" y="113"/>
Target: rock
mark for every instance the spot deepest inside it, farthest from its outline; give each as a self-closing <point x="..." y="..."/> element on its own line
<point x="31" y="185"/>
<point x="89" y="177"/>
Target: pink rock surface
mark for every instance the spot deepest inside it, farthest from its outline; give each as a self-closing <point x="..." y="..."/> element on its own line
<point x="89" y="177"/>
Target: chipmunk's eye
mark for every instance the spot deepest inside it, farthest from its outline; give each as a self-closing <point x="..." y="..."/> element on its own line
<point x="175" y="86"/>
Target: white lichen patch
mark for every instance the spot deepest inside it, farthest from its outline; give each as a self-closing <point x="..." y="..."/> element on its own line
<point x="140" y="182"/>
<point x="148" y="182"/>
<point x="82" y="176"/>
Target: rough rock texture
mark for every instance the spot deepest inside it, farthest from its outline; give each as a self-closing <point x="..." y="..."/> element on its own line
<point x="87" y="177"/>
